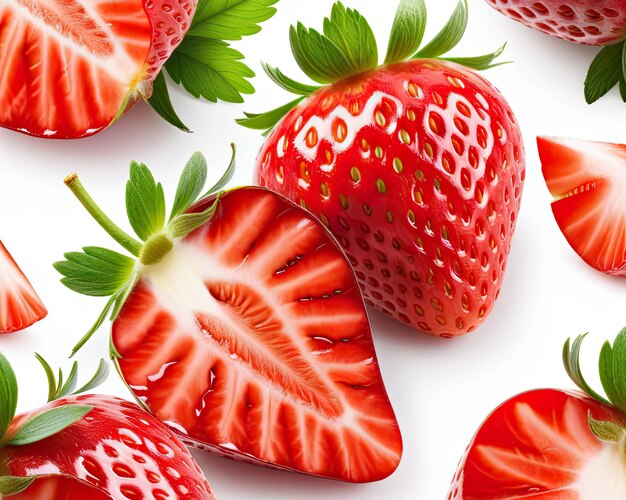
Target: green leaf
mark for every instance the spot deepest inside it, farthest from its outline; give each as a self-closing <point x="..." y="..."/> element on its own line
<point x="226" y="176"/>
<point x="161" y="103"/>
<point x="288" y="84"/>
<point x="11" y="485"/>
<point x="479" y="63"/>
<point x="211" y="69"/>
<point x="407" y="31"/>
<point x="449" y="36"/>
<point x="350" y="31"/>
<point x="95" y="271"/>
<point x="604" y="73"/>
<point x="184" y="224"/>
<point x="613" y="370"/>
<point x="622" y="80"/>
<point x="48" y="423"/>
<point x="605" y="430"/>
<point x="268" y="120"/>
<point x="145" y="202"/>
<point x="98" y="378"/>
<point x="8" y="394"/>
<point x="571" y="361"/>
<point x="191" y="183"/>
<point x="230" y="19"/>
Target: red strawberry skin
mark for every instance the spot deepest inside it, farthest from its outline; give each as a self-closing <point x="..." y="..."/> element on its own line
<point x="417" y="169"/>
<point x="590" y="22"/>
<point x="251" y="339"/>
<point x="61" y="488"/>
<point x="117" y="449"/>
<point x="70" y="68"/>
<point x="536" y="445"/>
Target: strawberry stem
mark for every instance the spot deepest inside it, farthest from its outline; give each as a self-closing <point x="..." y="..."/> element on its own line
<point x="124" y="239"/>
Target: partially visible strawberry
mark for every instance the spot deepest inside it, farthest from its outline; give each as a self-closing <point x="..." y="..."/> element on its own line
<point x="591" y="22"/>
<point x="90" y="446"/>
<point x="416" y="166"/>
<point x="242" y="327"/>
<point x="20" y="306"/>
<point x="553" y="444"/>
<point x="588" y="182"/>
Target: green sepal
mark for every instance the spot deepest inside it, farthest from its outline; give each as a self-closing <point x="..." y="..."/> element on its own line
<point x="96" y="326"/>
<point x="571" y="362"/>
<point x="48" y="423"/>
<point x="191" y="183"/>
<point x="162" y="104"/>
<point x="226" y="176"/>
<point x="12" y="485"/>
<point x="613" y="370"/>
<point x="480" y="63"/>
<point x="95" y="271"/>
<point x="288" y="84"/>
<point x="8" y="395"/>
<point x="622" y="88"/>
<point x="230" y="20"/>
<point x="145" y="202"/>
<point x="122" y="295"/>
<point x="101" y="374"/>
<point x="605" y="72"/>
<point x="606" y="431"/>
<point x="186" y="223"/>
<point x="268" y="120"/>
<point x="449" y="36"/>
<point x="57" y="389"/>
<point x="407" y="31"/>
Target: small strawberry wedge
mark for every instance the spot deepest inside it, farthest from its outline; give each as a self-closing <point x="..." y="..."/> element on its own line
<point x="588" y="181"/>
<point x="20" y="306"/>
<point x="246" y="333"/>
<point x="561" y="445"/>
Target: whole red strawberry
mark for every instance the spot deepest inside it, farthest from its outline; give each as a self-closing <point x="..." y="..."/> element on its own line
<point x="71" y="68"/>
<point x="548" y="443"/>
<point x="90" y="446"/>
<point x="416" y="166"/>
<point x="591" y="22"/>
<point x="242" y="327"/>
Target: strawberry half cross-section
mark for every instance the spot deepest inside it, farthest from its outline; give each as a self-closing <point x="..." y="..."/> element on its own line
<point x="241" y="326"/>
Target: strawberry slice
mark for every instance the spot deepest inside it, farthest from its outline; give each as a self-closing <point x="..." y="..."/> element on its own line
<point x="249" y="337"/>
<point x="588" y="181"/>
<point x="20" y="306"/>
<point x="70" y="68"/>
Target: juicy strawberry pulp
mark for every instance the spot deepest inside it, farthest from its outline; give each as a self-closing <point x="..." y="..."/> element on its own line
<point x="251" y="339"/>
<point x="20" y="306"/>
<point x="592" y="22"/>
<point x="417" y="168"/>
<point x="69" y="67"/>
<point x="117" y="448"/>
<point x="588" y="181"/>
<point x="539" y="445"/>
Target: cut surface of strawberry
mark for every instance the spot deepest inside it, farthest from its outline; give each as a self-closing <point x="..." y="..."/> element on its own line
<point x="588" y="181"/>
<point x="70" y="68"/>
<point x="20" y="306"/>
<point x="249" y="337"/>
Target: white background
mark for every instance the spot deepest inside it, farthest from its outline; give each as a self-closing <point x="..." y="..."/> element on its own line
<point x="441" y="390"/>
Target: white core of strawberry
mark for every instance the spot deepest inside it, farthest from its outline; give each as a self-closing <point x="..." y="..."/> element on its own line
<point x="604" y="476"/>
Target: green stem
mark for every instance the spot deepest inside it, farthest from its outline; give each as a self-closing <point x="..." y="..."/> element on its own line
<point x="123" y="238"/>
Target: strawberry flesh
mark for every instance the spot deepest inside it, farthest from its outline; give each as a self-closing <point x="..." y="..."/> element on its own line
<point x="591" y="22"/>
<point x="250" y="339"/>
<point x="20" y="306"/>
<point x="60" y="488"/>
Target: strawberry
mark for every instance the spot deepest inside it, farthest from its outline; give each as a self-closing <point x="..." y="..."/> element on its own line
<point x="90" y="446"/>
<point x="587" y="180"/>
<point x="590" y="22"/>
<point x="555" y="444"/>
<point x="241" y="326"/>
<point x="20" y="306"/>
<point x="416" y="166"/>
<point x="71" y="68"/>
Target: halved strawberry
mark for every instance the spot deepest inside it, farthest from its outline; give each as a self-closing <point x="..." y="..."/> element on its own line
<point x="553" y="444"/>
<point x="246" y="333"/>
<point x="20" y="306"/>
<point x="588" y="181"/>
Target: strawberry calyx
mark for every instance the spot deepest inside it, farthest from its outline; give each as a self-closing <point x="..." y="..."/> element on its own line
<point x="347" y="47"/>
<point x="612" y="368"/>
<point x="607" y="70"/>
<point x="42" y="425"/>
<point x="101" y="272"/>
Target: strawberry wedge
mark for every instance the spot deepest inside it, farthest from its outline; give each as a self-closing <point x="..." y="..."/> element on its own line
<point x="246" y="333"/>
<point x="20" y="306"/>
<point x="588" y="181"/>
<point x="70" y="68"/>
